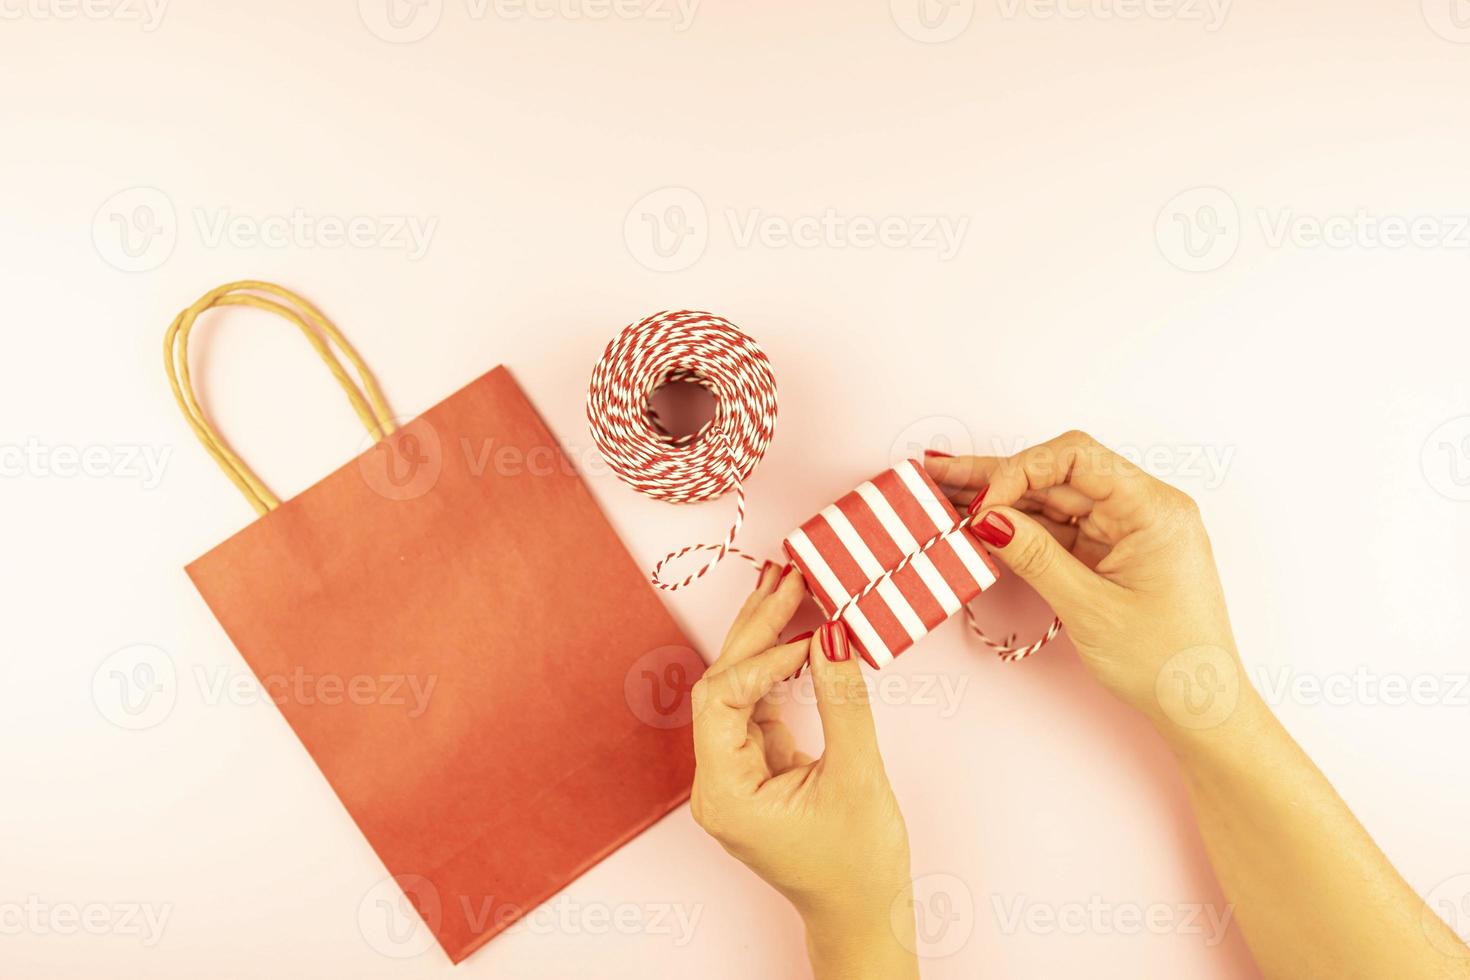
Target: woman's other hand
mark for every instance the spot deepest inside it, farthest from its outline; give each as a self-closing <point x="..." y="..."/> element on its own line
<point x="826" y="833"/>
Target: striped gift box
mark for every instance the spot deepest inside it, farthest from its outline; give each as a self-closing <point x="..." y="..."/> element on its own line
<point x="868" y="532"/>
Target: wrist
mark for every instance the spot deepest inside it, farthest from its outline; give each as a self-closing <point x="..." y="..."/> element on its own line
<point x="1197" y="696"/>
<point x="877" y="943"/>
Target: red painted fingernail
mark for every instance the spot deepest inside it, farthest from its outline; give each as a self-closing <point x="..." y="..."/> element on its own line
<point x="834" y="642"/>
<point x="790" y="567"/>
<point x="761" y="576"/>
<point x="994" y="530"/>
<point x="803" y="636"/>
<point x="936" y="454"/>
<point x="974" y="507"/>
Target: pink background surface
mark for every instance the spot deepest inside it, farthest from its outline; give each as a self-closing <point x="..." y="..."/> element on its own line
<point x="1311" y="396"/>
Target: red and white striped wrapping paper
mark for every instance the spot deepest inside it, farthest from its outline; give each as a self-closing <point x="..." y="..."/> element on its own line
<point x="867" y="533"/>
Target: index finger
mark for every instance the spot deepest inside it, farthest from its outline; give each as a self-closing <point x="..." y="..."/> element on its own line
<point x="722" y="703"/>
<point x="1074" y="459"/>
<point x="765" y="615"/>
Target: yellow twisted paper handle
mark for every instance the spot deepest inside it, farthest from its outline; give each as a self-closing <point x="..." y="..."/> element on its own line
<point x="372" y="409"/>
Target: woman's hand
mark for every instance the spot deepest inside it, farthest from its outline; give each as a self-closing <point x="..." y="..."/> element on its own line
<point x="1122" y="558"/>
<point x="827" y="833"/>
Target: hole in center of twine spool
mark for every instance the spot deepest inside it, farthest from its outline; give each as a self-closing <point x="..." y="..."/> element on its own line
<point x="681" y="408"/>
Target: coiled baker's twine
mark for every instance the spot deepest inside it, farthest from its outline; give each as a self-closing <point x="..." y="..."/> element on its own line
<point x="704" y="349"/>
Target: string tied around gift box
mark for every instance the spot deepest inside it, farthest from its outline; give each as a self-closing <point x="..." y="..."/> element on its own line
<point x="685" y="346"/>
<point x="1007" y="650"/>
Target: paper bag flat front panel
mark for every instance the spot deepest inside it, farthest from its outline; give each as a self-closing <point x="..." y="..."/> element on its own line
<point x="497" y="688"/>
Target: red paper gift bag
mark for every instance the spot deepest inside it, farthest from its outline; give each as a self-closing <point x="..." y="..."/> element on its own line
<point x="460" y="556"/>
<point x="868" y="532"/>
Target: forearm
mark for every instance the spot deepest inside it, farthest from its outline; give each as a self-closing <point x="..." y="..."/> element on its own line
<point x="1314" y="896"/>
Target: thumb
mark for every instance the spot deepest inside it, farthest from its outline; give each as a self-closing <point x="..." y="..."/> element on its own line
<point x="1030" y="551"/>
<point x="842" y="696"/>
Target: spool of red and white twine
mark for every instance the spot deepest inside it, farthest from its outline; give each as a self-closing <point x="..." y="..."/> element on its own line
<point x="710" y="351"/>
<point x="707" y="350"/>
